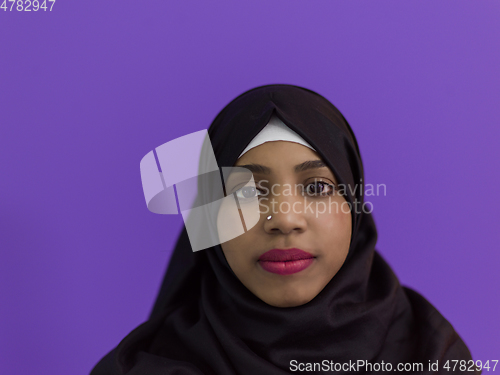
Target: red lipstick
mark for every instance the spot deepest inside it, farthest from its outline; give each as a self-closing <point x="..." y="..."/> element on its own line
<point x="286" y="262"/>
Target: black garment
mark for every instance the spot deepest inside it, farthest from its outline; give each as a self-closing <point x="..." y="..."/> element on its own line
<point x="205" y="321"/>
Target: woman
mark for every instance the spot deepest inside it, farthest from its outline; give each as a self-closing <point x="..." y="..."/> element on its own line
<point x="302" y="289"/>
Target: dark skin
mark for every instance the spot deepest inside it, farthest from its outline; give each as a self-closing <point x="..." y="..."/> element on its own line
<point x="325" y="233"/>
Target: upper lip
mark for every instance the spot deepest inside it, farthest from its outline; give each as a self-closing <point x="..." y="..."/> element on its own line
<point x="283" y="255"/>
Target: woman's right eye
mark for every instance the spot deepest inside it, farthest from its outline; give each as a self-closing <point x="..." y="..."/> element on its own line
<point x="247" y="192"/>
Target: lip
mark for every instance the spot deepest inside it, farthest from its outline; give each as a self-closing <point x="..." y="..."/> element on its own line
<point x="286" y="261"/>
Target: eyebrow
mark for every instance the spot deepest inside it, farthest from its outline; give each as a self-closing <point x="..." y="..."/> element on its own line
<point x="307" y="165"/>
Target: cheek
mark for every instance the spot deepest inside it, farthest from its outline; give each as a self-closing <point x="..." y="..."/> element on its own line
<point x="336" y="219"/>
<point x="237" y="250"/>
<point x="229" y="224"/>
<point x="334" y="228"/>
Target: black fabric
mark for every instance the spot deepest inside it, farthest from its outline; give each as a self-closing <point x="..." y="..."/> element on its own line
<point x="205" y="321"/>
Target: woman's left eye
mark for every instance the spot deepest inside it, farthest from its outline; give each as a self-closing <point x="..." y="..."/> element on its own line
<point x="320" y="188"/>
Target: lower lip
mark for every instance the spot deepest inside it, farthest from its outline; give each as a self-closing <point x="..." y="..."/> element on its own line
<point x="288" y="267"/>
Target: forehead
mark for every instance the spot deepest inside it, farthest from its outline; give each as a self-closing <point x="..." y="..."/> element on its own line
<point x="280" y="158"/>
<point x="278" y="153"/>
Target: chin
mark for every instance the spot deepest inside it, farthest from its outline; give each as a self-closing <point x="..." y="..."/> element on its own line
<point x="292" y="301"/>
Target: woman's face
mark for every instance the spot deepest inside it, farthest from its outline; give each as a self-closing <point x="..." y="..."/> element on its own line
<point x="298" y="192"/>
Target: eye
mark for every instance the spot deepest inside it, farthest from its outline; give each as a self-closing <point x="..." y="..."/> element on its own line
<point x="319" y="188"/>
<point x="247" y="192"/>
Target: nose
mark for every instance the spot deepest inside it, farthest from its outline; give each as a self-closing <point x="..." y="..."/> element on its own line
<point x="286" y="215"/>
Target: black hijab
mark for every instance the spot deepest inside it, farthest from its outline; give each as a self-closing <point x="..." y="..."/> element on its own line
<point x="205" y="321"/>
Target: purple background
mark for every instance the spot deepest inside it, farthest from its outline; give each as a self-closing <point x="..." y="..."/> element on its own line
<point x="88" y="89"/>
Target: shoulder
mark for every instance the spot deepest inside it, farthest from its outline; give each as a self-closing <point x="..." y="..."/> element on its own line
<point x="434" y="330"/>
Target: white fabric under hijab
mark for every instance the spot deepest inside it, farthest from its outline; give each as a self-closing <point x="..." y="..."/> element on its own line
<point x="275" y="130"/>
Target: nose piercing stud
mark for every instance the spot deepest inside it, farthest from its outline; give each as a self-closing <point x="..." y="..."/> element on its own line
<point x="269" y="217"/>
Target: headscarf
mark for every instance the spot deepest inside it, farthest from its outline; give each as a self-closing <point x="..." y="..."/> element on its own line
<point x="205" y="321"/>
